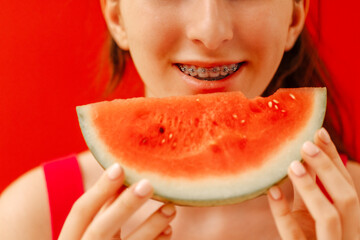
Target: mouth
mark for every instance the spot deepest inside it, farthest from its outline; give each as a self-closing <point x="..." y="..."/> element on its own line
<point x="214" y="73"/>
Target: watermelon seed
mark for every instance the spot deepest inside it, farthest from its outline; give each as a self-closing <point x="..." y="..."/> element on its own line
<point x="243" y="121"/>
<point x="161" y="130"/>
<point x="283" y="111"/>
<point x="144" y="141"/>
<point x="270" y="104"/>
<point x="198" y="100"/>
<point x="276" y="101"/>
<point x="235" y="116"/>
<point x="292" y="96"/>
<point x="170" y="136"/>
<point x="163" y="141"/>
<point x="276" y="107"/>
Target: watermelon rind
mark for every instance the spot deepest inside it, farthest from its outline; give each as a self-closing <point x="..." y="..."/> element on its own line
<point x="212" y="191"/>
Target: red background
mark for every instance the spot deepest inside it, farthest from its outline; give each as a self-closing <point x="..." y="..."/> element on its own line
<point x="49" y="63"/>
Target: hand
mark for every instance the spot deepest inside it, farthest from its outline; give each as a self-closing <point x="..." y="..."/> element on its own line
<point x="101" y="211"/>
<point x="313" y="215"/>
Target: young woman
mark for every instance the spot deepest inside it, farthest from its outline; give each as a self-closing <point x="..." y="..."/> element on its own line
<point x="264" y="42"/>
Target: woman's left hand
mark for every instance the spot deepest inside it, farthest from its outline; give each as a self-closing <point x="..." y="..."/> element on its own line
<point x="313" y="215"/>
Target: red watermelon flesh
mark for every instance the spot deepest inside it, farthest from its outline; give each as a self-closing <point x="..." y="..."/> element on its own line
<point x="204" y="149"/>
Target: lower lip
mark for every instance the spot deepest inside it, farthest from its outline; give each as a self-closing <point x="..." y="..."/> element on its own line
<point x="203" y="86"/>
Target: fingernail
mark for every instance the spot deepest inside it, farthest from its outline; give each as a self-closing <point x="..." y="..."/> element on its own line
<point x="310" y="149"/>
<point x="167" y="231"/>
<point x="275" y="193"/>
<point x="143" y="188"/>
<point x="324" y="135"/>
<point x="297" y="168"/>
<point x="114" y="172"/>
<point x="168" y="210"/>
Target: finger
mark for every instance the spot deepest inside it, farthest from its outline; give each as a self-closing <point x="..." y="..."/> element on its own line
<point x="108" y="223"/>
<point x="155" y="224"/>
<point x="298" y="203"/>
<point x="322" y="139"/>
<point x="88" y="205"/>
<point x="166" y="234"/>
<point x="287" y="226"/>
<point x="117" y="235"/>
<point x="327" y="219"/>
<point x="340" y="190"/>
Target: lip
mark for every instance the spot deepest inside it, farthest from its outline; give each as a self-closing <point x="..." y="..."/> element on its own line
<point x="202" y="86"/>
<point x="207" y="65"/>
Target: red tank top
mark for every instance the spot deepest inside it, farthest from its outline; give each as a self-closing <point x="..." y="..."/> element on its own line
<point x="64" y="185"/>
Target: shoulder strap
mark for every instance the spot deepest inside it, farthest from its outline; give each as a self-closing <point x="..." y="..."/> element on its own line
<point x="64" y="185"/>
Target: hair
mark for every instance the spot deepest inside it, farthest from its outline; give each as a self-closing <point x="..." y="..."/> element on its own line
<point x="299" y="67"/>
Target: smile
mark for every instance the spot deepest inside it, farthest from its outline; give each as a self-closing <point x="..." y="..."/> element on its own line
<point x="209" y="74"/>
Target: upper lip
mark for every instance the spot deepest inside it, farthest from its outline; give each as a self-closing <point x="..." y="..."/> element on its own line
<point x="207" y="64"/>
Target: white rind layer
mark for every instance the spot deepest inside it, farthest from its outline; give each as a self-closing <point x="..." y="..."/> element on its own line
<point x="213" y="190"/>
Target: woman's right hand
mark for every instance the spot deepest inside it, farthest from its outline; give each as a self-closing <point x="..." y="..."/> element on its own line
<point x="100" y="213"/>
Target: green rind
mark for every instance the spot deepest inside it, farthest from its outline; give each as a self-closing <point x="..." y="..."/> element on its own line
<point x="106" y="162"/>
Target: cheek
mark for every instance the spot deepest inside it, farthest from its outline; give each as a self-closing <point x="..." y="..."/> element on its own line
<point x="265" y="39"/>
<point x="151" y="33"/>
<point x="152" y="40"/>
<point x="266" y="52"/>
<point x="267" y="35"/>
<point x="265" y="28"/>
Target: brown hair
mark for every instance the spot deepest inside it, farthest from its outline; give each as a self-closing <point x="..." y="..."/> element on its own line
<point x="118" y="63"/>
<point x="300" y="67"/>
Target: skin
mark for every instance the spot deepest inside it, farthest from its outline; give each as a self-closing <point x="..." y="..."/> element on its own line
<point x="217" y="34"/>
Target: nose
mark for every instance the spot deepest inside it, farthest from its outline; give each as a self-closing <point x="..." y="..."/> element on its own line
<point x="211" y="25"/>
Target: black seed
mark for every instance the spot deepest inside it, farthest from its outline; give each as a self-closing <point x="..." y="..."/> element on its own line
<point x="161" y="130"/>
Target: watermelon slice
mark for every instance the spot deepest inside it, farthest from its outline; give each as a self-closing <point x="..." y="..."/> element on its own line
<point x="204" y="150"/>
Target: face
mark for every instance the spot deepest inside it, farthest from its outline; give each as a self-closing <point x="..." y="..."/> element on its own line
<point x="183" y="47"/>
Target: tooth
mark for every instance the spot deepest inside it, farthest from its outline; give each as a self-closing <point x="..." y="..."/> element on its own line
<point x="232" y="68"/>
<point x="185" y="69"/>
<point x="192" y="71"/>
<point x="202" y="72"/>
<point x="214" y="72"/>
<point x="224" y="70"/>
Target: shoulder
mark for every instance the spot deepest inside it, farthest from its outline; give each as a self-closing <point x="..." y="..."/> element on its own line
<point x="24" y="208"/>
<point x="354" y="170"/>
